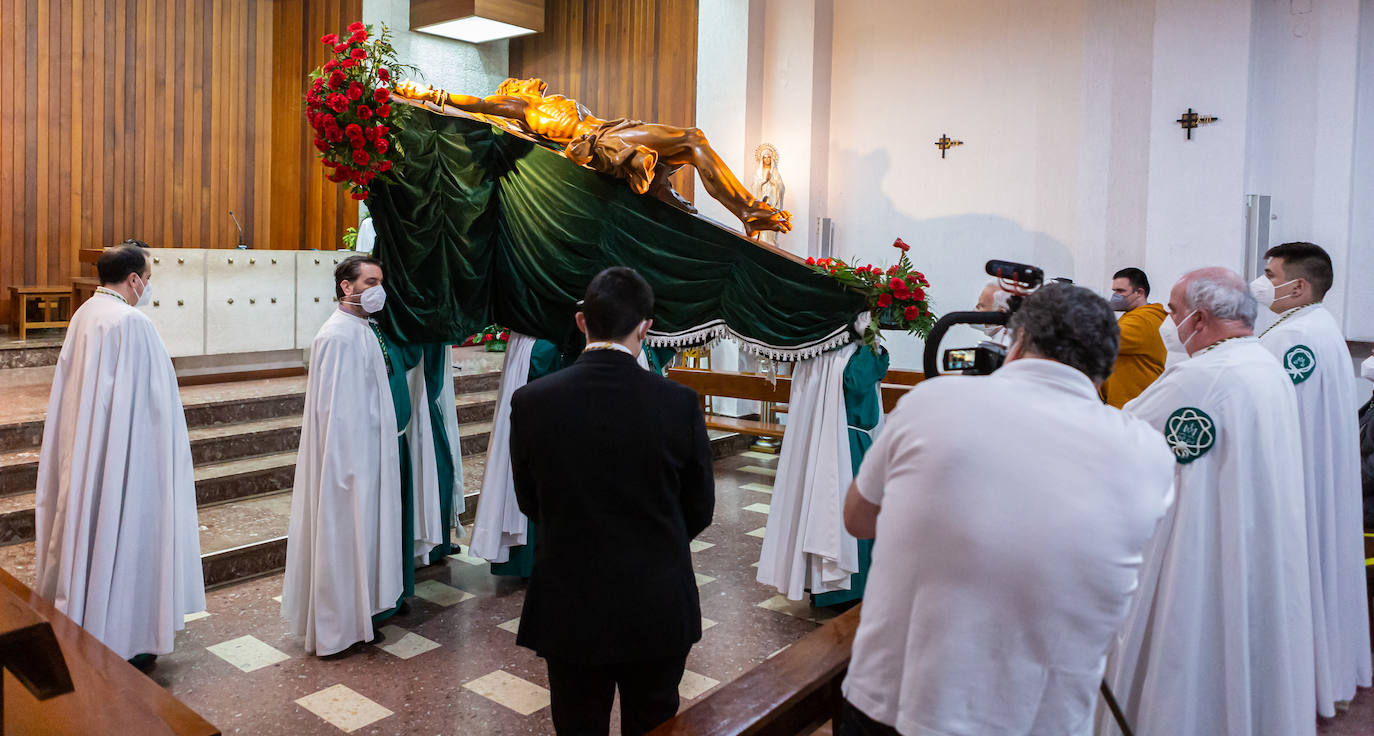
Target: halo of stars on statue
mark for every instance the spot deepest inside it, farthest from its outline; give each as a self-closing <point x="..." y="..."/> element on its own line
<point x="1190" y="120"/>
<point x="945" y="143"/>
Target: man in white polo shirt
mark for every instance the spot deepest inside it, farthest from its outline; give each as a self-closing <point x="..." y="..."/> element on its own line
<point x="1007" y="551"/>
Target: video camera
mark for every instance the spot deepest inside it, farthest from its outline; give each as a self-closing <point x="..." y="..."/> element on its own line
<point x="1017" y="278"/>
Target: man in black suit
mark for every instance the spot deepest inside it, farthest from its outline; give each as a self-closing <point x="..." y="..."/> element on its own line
<point x="612" y="464"/>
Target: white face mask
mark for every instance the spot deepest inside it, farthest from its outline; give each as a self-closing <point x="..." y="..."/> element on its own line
<point x="1168" y="332"/>
<point x="145" y="297"/>
<point x="1263" y="290"/>
<point x="993" y="330"/>
<point x="371" y="300"/>
<point x="1367" y="368"/>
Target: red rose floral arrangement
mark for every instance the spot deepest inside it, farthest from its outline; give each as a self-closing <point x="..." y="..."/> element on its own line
<point x="896" y="295"/>
<point x="349" y="108"/>
<point x="493" y="339"/>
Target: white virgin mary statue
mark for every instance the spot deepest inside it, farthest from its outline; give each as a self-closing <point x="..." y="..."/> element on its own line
<point x="768" y="186"/>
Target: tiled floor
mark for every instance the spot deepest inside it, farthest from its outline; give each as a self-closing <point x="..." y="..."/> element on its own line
<point x="451" y="665"/>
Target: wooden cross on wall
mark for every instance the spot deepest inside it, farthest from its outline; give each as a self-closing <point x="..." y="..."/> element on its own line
<point x="1190" y="120"/>
<point x="945" y="143"/>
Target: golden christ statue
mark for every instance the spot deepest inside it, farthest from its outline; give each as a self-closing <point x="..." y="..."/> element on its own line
<point x="644" y="154"/>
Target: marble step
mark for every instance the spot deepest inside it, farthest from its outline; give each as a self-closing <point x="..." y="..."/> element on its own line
<point x="217" y="482"/>
<point x="240" y="539"/>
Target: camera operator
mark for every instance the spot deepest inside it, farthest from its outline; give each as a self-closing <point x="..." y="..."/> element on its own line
<point x="998" y="581"/>
<point x="994" y="298"/>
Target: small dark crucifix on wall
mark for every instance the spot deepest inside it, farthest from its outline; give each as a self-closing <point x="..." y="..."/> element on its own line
<point x="1191" y="120"/>
<point x="945" y="143"/>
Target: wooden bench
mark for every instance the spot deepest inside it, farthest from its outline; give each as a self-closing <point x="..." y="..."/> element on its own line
<point x="793" y="693"/>
<point x="754" y="387"/>
<point x="50" y="300"/>
<point x="105" y="694"/>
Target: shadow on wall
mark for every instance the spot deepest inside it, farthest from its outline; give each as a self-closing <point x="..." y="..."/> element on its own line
<point x="875" y="205"/>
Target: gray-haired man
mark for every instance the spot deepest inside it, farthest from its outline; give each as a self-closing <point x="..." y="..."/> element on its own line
<point x="1219" y="638"/>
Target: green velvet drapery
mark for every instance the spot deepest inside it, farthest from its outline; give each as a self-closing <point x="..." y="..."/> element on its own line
<point x="484" y="227"/>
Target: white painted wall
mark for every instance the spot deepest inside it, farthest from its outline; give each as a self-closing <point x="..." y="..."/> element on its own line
<point x="1072" y="160"/>
<point x="456" y="66"/>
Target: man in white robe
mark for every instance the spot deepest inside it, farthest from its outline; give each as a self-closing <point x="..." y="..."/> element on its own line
<point x="1218" y="641"/>
<point x="118" y="545"/>
<point x="343" y="556"/>
<point x="1312" y="352"/>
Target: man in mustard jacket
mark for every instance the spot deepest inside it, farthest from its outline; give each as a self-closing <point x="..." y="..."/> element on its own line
<point x="1141" y="357"/>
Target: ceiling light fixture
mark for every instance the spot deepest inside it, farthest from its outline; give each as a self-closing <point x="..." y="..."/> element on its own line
<point x="477" y="21"/>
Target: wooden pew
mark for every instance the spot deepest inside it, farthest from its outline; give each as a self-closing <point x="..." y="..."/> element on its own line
<point x="793" y="693"/>
<point x="109" y="695"/>
<point x="751" y="386"/>
<point x="735" y="385"/>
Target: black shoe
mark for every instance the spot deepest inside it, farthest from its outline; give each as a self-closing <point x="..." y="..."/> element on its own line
<point x="403" y="609"/>
<point x="378" y="636"/>
<point x="144" y="662"/>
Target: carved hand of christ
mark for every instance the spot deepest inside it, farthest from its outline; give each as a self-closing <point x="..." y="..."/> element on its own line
<point x="644" y="154"/>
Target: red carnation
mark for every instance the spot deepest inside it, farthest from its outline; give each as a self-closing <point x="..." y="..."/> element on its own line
<point x="329" y="66"/>
<point x="336" y="79"/>
<point x="486" y="338"/>
<point x="504" y="335"/>
<point x="918" y="294"/>
<point x="337" y="176"/>
<point x="380" y="94"/>
<point x="333" y="134"/>
<point x="327" y="120"/>
<point x="385" y="166"/>
<point x="384" y="75"/>
<point x="353" y="130"/>
<point x="891" y="270"/>
<point x="358" y="37"/>
<point x="380" y="144"/>
<point x="318" y="84"/>
<point x="360" y="196"/>
<point x="329" y="39"/>
<point x="355" y="91"/>
<point x="364" y="112"/>
<point x="902" y="246"/>
<point x="897" y="285"/>
<point x="884" y="300"/>
<point x="911" y="312"/>
<point x="339" y="103"/>
<point x="321" y="144"/>
<point x="358" y="54"/>
<point x="339" y="49"/>
<point x="356" y="26"/>
<point x="810" y="261"/>
<point x="384" y="111"/>
<point x="361" y="158"/>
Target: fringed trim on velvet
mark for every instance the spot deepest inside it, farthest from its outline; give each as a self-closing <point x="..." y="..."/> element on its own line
<point x="710" y="334"/>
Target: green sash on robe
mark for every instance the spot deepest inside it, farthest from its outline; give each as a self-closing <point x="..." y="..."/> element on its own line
<point x="402" y="357"/>
<point x="544" y="359"/>
<point x="863" y="407"/>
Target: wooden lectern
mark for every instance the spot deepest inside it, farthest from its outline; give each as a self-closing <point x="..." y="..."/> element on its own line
<point x="58" y="679"/>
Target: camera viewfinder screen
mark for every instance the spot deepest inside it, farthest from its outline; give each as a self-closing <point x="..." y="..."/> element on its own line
<point x="960" y="359"/>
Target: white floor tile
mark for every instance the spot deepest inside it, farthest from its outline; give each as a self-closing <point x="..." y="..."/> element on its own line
<point x="188" y="618"/>
<point x="761" y="508"/>
<point x="800" y="609"/>
<point x="760" y="487"/>
<point x="694" y="685"/>
<point x="521" y="696"/>
<point x="276" y="598"/>
<point x="697" y="545"/>
<point x="463" y="556"/>
<point x="343" y="708"/>
<point x="248" y="653"/>
<point x="757" y="532"/>
<point x="704" y="579"/>
<point x="706" y="623"/>
<point x="405" y="644"/>
<point x="438" y="593"/>
<point x="759" y="455"/>
<point x="513" y="625"/>
<point x="760" y="470"/>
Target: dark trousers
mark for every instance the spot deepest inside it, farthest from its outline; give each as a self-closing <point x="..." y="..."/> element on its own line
<point x="853" y="722"/>
<point x="582" y="694"/>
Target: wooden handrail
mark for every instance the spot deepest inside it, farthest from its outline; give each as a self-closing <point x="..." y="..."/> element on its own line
<point x="792" y="693"/>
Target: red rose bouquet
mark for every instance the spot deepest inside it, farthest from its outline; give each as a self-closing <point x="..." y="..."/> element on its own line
<point x="493" y="339"/>
<point x="896" y="295"/>
<point x="348" y="106"/>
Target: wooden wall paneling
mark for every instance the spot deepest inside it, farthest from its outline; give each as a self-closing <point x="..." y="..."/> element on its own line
<point x="7" y="65"/>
